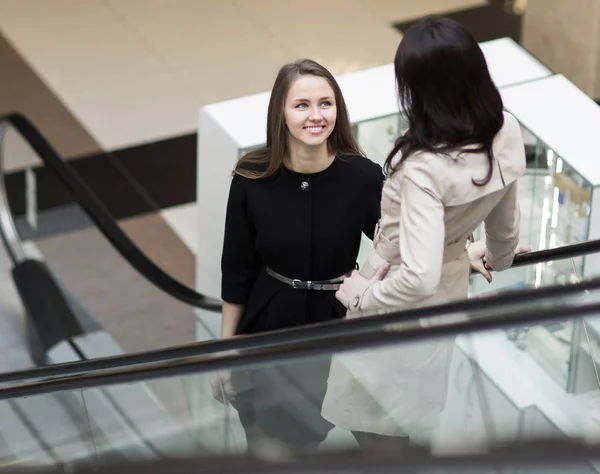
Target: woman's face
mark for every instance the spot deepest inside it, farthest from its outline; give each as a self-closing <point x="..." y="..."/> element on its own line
<point x="310" y="111"/>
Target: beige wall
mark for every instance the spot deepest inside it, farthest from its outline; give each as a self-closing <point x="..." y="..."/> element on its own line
<point x="565" y="35"/>
<point x="137" y="71"/>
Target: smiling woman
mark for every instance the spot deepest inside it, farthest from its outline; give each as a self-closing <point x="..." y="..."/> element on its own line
<point x="296" y="211"/>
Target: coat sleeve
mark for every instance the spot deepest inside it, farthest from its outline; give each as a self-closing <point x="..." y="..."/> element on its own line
<point x="502" y="230"/>
<point x="421" y="241"/>
<point x="373" y="200"/>
<point x="240" y="262"/>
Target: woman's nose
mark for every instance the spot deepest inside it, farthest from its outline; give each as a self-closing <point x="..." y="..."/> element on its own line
<point x="315" y="115"/>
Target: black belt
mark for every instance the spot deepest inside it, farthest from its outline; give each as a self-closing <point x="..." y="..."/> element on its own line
<point x="321" y="285"/>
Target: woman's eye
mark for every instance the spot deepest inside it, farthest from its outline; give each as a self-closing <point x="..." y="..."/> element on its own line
<point x="299" y="106"/>
<point x="326" y="103"/>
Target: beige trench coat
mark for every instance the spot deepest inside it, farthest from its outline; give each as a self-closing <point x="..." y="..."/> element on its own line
<point x="429" y="209"/>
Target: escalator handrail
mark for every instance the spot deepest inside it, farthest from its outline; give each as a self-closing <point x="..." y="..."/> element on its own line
<point x="100" y="215"/>
<point x="564" y="252"/>
<point x="540" y="307"/>
<point x="330" y="331"/>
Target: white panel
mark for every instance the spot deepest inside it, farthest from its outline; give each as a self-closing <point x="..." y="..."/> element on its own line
<point x="381" y="99"/>
<point x="509" y="63"/>
<point x="184" y="222"/>
<point x="17" y="153"/>
<point x="244" y="119"/>
<point x="563" y="117"/>
<point x="217" y="152"/>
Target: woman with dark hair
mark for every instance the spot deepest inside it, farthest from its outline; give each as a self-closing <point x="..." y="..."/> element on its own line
<point x="297" y="209"/>
<point x="455" y="168"/>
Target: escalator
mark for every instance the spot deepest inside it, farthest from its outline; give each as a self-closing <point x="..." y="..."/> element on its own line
<point x="88" y="404"/>
<point x="499" y="392"/>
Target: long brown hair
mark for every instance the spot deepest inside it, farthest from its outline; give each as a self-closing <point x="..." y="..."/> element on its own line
<point x="265" y="161"/>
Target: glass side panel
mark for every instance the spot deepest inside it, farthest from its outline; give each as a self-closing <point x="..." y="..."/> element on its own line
<point x="560" y="333"/>
<point x="554" y="198"/>
<point x="460" y="393"/>
<point x="456" y="394"/>
<point x="50" y="429"/>
<point x="106" y="425"/>
<point x="376" y="137"/>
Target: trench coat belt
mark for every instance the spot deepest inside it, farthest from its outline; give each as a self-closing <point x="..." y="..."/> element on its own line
<point x="322" y="285"/>
<point x="390" y="252"/>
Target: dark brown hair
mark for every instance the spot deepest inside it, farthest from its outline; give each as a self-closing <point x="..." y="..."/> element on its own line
<point x="265" y="161"/>
<point x="446" y="93"/>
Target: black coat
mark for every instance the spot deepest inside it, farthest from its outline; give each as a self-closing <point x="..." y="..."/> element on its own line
<point x="306" y="232"/>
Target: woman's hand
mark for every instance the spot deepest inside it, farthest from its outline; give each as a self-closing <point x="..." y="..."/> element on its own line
<point x="351" y="291"/>
<point x="222" y="389"/>
<point x="476" y="253"/>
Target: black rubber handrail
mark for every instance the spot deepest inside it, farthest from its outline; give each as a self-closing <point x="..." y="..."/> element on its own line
<point x="563" y="252"/>
<point x="105" y="222"/>
<point x="564" y="301"/>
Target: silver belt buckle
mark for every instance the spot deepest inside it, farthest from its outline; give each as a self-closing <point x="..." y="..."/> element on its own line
<point x="302" y="285"/>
